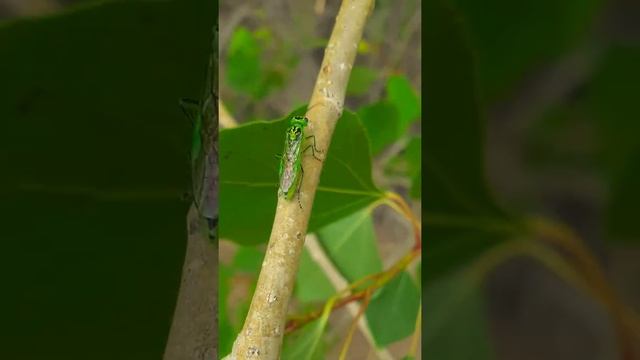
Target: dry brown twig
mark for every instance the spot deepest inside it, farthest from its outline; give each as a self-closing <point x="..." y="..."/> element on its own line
<point x="262" y="334"/>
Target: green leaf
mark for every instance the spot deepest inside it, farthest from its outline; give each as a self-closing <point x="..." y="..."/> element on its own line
<point x="361" y="80"/>
<point x="455" y="313"/>
<point x="461" y="216"/>
<point x="311" y="282"/>
<point x="307" y="343"/>
<point x="513" y="38"/>
<point x="401" y="94"/>
<point x="382" y="123"/>
<point x="249" y="176"/>
<point x="393" y="310"/>
<point x="351" y="244"/>
<point x="94" y="156"/>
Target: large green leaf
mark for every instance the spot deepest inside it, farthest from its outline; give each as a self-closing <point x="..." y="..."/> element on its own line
<point x="308" y="343"/>
<point x="461" y="217"/>
<point x="393" y="310"/>
<point x="94" y="159"/>
<point x="455" y="325"/>
<point x="311" y="282"/>
<point x="351" y="244"/>
<point x="249" y="177"/>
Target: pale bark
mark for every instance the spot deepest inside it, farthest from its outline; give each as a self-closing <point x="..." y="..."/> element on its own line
<point x="194" y="333"/>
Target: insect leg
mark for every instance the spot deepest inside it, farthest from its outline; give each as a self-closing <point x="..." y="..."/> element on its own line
<point x="314" y="143"/>
<point x="300" y="185"/>
<point x="313" y="147"/>
<point x="313" y="151"/>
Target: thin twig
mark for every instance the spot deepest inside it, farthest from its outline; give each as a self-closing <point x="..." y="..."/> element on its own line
<point x="262" y="334"/>
<point x="363" y="308"/>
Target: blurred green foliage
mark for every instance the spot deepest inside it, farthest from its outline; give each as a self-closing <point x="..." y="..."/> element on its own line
<point x="457" y="326"/>
<point x="250" y="69"/>
<point x="461" y="216"/>
<point x="511" y="38"/>
<point x="612" y="101"/>
<point x="586" y="137"/>
<point x="361" y="80"/>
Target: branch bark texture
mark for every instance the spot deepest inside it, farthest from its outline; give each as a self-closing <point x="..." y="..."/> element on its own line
<point x="262" y="333"/>
<point x="194" y="333"/>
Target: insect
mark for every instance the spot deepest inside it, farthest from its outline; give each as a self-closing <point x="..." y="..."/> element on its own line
<point x="291" y="171"/>
<point x="204" y="146"/>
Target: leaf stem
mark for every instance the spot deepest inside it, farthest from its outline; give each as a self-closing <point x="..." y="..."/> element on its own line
<point x="352" y="328"/>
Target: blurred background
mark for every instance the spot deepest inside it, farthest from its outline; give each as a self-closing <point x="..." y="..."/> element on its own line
<point x="554" y="87"/>
<point x="288" y="40"/>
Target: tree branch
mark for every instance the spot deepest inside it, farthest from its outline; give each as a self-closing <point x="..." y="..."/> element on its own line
<point x="262" y="334"/>
<point x="194" y="333"/>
